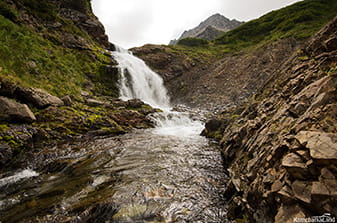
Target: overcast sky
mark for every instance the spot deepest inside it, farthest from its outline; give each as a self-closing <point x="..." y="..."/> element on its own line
<point x="131" y="23"/>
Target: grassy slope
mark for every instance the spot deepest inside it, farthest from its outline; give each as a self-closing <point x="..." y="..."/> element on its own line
<point x="300" y="21"/>
<point x="36" y="59"/>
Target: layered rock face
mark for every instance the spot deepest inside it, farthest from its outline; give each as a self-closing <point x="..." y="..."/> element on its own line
<point x="209" y="29"/>
<point x="281" y="146"/>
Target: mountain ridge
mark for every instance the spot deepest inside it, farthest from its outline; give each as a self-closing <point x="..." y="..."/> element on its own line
<point x="210" y="28"/>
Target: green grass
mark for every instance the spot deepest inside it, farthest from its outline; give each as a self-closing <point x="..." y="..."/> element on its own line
<point x="193" y="42"/>
<point x="300" y="21"/>
<point x="42" y="63"/>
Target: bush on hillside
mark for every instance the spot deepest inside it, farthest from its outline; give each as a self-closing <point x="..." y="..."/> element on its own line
<point x="193" y="42"/>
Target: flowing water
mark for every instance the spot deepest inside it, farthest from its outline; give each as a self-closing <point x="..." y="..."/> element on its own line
<point x="165" y="174"/>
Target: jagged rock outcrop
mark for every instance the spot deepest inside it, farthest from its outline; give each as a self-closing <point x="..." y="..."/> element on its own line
<point x="281" y="146"/>
<point x="209" y="29"/>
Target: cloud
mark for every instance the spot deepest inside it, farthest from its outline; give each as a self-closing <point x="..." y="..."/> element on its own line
<point x="132" y="23"/>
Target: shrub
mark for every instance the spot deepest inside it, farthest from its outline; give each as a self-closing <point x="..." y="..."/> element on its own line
<point x="8" y="12"/>
<point x="193" y="42"/>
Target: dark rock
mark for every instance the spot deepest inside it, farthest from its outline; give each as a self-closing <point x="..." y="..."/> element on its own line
<point x="302" y="190"/>
<point x="6" y="154"/>
<point x="11" y="110"/>
<point x="7" y="88"/>
<point x="67" y="100"/>
<point x="213" y="125"/>
<point x="135" y="103"/>
<point x="331" y="44"/>
<point x="38" y="97"/>
<point x="112" y="47"/>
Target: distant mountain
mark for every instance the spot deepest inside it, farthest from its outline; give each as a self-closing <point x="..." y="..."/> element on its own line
<point x="210" y="28"/>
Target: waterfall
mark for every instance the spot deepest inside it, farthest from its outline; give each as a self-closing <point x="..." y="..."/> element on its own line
<point x="137" y="80"/>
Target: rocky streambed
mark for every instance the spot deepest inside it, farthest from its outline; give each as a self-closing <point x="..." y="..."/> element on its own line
<point x="143" y="176"/>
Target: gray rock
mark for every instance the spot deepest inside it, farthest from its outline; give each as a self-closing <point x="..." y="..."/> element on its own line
<point x="94" y="102"/>
<point x="11" y="110"/>
<point x="38" y="97"/>
<point x="322" y="146"/>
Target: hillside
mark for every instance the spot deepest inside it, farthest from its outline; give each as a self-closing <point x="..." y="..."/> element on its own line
<point x="226" y="71"/>
<point x="57" y="78"/>
<point x="280" y="146"/>
<point x="271" y="85"/>
<point x="209" y="29"/>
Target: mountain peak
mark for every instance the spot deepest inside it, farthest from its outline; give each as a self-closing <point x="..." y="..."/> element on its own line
<point x="210" y="28"/>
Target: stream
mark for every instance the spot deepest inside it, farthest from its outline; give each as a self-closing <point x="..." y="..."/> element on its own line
<point x="166" y="174"/>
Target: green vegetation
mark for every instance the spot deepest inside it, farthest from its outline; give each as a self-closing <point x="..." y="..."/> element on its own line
<point x="40" y="62"/>
<point x="8" y="12"/>
<point x="193" y="42"/>
<point x="299" y="21"/>
<point x="40" y="9"/>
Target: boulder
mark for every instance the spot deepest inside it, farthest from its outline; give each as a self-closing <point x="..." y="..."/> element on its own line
<point x="302" y="190"/>
<point x="288" y="214"/>
<point x="295" y="166"/>
<point x="67" y="100"/>
<point x="327" y="184"/>
<point x="135" y="103"/>
<point x="38" y="97"/>
<point x="6" y="153"/>
<point x="94" y="102"/>
<point x="11" y="110"/>
<point x="322" y="146"/>
<point x="331" y="44"/>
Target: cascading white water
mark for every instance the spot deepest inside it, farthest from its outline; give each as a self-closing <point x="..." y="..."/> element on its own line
<point x="137" y="80"/>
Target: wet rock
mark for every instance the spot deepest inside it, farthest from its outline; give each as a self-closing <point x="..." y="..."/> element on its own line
<point x="287" y="214"/>
<point x="322" y="146"/>
<point x="6" y="153"/>
<point x="11" y="110"/>
<point x="135" y="103"/>
<point x="213" y="125"/>
<point x="38" y="97"/>
<point x="295" y="166"/>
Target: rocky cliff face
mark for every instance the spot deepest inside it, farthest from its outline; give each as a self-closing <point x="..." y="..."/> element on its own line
<point x="209" y="29"/>
<point x="281" y="146"/>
